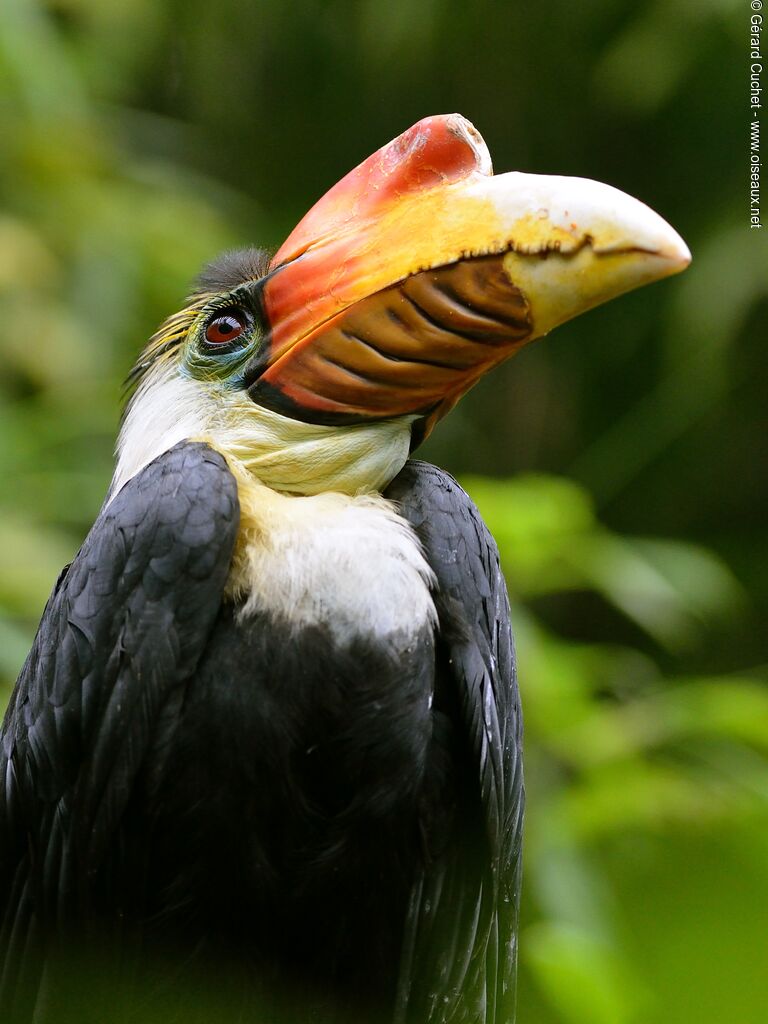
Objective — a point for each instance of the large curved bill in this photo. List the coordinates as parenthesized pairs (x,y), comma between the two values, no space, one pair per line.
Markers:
(421,270)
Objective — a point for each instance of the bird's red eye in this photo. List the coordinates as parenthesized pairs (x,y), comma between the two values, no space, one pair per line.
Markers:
(226,327)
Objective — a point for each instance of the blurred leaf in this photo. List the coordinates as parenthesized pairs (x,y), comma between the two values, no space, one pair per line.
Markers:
(728,708)
(14,644)
(30,562)
(580,976)
(549,540)
(647,61)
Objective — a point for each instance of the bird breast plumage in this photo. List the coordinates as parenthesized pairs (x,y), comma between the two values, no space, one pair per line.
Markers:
(349,564)
(308,737)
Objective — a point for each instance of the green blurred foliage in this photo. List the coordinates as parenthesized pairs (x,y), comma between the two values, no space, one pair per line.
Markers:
(140,138)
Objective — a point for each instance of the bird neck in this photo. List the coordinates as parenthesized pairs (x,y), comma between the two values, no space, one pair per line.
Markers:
(283,453)
(317,542)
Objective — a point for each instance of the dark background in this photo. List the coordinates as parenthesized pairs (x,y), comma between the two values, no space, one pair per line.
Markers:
(621,463)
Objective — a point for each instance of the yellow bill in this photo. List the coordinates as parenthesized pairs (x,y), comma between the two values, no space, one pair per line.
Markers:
(421,270)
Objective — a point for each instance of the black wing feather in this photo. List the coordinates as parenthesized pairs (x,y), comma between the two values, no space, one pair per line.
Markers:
(460,950)
(122,631)
(95,708)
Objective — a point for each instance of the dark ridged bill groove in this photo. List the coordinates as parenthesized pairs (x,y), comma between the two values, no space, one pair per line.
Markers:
(404,349)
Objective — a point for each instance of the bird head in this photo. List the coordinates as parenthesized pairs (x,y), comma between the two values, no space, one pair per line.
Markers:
(421,270)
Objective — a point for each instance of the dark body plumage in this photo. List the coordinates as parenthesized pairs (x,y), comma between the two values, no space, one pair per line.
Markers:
(193,798)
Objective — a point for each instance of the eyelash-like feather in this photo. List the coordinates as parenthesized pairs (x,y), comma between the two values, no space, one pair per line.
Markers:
(225,273)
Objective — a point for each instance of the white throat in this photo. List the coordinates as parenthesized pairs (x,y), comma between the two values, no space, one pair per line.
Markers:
(283,453)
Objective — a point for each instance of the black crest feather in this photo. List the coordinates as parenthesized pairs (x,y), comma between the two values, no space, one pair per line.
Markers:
(233,268)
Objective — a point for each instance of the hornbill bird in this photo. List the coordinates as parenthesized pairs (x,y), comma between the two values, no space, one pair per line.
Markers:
(268,735)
